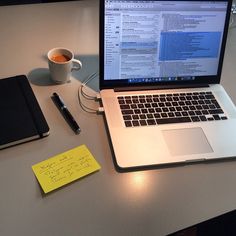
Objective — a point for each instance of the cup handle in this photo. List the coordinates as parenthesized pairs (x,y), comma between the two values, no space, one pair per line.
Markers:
(78,64)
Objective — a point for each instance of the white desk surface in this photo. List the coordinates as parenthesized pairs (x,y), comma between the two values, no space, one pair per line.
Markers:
(154,202)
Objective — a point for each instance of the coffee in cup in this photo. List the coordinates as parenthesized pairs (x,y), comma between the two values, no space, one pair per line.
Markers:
(61,62)
(60,58)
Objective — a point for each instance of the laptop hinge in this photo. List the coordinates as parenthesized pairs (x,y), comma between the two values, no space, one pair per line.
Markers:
(160,87)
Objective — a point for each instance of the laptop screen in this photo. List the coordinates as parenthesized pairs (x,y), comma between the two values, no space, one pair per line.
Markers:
(162,42)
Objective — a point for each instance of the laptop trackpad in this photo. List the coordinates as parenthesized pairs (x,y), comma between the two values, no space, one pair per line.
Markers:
(187,141)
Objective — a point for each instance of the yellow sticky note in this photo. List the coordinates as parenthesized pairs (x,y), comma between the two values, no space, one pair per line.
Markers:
(65,168)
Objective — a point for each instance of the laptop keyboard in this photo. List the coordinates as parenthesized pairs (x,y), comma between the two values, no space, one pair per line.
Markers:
(157,109)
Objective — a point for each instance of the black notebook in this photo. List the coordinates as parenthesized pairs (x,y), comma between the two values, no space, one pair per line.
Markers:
(21,118)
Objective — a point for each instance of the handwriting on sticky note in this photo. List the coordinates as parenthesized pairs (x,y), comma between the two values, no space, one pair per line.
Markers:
(65,168)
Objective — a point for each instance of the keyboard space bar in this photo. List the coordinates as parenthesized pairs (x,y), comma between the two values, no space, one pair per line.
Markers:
(173,120)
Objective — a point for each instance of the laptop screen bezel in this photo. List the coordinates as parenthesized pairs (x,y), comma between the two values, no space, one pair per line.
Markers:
(199,80)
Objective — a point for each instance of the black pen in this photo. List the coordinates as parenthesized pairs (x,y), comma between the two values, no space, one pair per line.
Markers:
(65,112)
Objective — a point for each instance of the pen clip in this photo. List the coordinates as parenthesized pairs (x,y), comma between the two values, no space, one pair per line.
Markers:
(58,101)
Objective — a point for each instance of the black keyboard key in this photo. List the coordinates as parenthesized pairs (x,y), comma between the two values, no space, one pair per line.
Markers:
(123,107)
(157,115)
(141,96)
(158,110)
(135,101)
(198,113)
(205,112)
(209,96)
(133,106)
(149,116)
(147,105)
(151,110)
(224,118)
(210,118)
(195,118)
(128,117)
(128,124)
(216,111)
(140,105)
(156,100)
(173,120)
(135,117)
(163,114)
(203,118)
(142,116)
(169,99)
(191,113)
(137,111)
(184,113)
(127,112)
(121,101)
(171,114)
(177,113)
(135,123)
(151,122)
(216,117)
(149,100)
(143,122)
(212,107)
(128,101)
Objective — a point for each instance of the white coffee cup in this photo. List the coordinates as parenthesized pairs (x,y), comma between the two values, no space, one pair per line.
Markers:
(61,62)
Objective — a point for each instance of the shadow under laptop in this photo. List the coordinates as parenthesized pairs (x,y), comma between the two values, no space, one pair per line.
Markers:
(164,166)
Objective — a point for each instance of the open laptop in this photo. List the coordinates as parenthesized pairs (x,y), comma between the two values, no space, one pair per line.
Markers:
(160,68)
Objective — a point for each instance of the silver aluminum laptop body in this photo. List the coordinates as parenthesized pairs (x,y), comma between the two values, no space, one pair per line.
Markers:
(165,47)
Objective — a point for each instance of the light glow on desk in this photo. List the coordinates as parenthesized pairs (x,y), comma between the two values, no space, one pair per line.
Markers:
(138,180)
(138,185)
